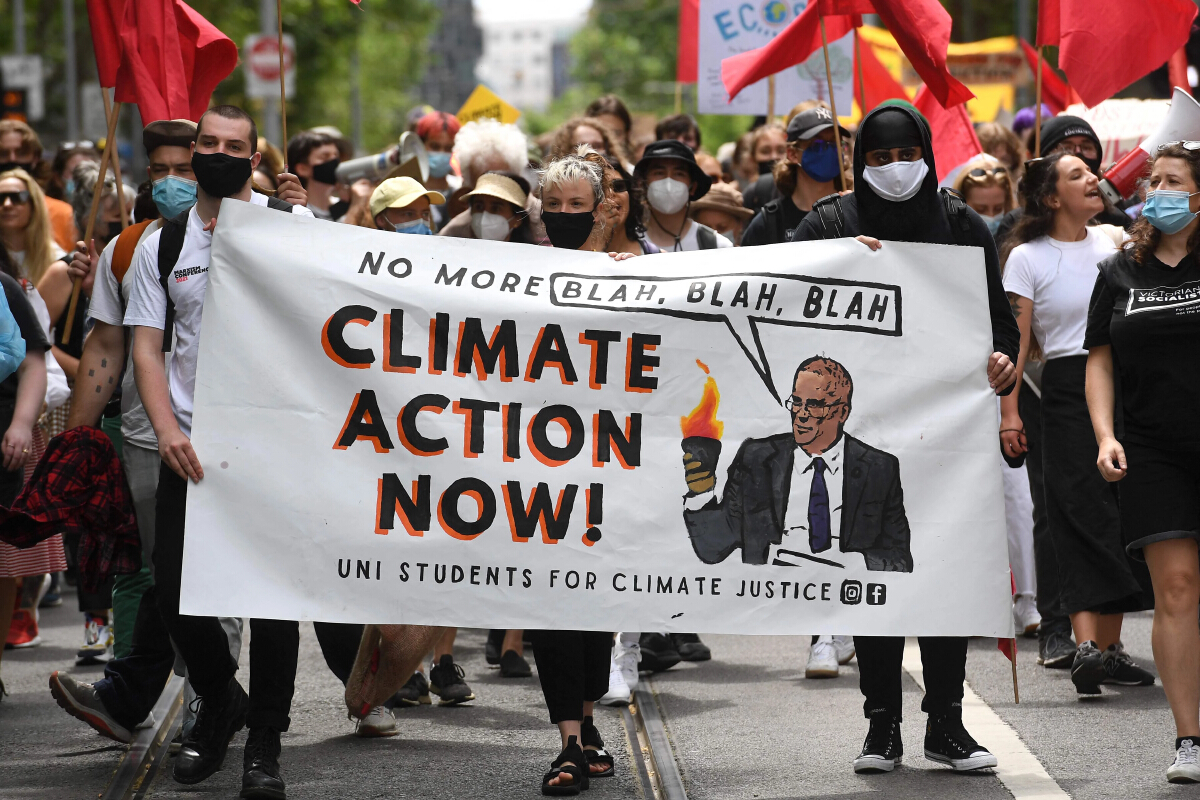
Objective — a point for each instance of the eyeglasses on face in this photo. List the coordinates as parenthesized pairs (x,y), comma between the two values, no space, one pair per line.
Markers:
(1087,149)
(810,408)
(16,198)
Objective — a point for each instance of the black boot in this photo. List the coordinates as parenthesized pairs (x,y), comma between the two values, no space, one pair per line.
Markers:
(218,719)
(883,748)
(260,766)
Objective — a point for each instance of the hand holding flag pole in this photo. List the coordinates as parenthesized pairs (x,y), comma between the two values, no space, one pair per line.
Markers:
(282,84)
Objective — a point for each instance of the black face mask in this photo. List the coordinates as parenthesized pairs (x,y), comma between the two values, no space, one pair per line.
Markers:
(765,167)
(568,231)
(339,209)
(220,175)
(10,165)
(327,172)
(114,230)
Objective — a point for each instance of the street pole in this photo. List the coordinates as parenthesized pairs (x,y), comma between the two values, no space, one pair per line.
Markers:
(19,27)
(356,124)
(72,72)
(270,128)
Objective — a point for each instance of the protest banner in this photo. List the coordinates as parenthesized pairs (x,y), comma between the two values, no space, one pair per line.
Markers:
(486,104)
(407,429)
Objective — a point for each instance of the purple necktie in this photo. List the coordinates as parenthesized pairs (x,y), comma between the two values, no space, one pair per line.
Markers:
(819,535)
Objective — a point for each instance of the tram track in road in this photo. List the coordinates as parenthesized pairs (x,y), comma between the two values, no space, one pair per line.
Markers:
(148,752)
(650,746)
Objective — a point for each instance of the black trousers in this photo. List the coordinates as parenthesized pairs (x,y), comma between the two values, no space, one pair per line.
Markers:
(944,659)
(573,669)
(1049,593)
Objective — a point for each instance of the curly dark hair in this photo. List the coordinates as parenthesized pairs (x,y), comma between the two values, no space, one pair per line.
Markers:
(635,222)
(1144,237)
(1039,182)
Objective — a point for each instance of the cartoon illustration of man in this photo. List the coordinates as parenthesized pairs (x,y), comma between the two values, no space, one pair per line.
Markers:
(814,494)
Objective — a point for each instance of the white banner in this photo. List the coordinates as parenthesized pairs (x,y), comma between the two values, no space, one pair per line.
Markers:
(408,429)
(729,27)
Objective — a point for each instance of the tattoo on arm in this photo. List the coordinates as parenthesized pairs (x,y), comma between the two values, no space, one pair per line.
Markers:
(1014,302)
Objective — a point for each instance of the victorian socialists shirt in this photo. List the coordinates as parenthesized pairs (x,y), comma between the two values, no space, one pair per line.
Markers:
(187,283)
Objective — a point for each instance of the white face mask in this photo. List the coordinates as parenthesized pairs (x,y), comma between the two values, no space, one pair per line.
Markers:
(486,225)
(898,181)
(667,195)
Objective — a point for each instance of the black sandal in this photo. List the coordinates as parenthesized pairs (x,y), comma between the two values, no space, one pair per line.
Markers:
(591,738)
(571,761)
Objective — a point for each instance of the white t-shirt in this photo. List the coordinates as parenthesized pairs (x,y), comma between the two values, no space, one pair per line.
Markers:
(1058,277)
(109,301)
(689,241)
(187,284)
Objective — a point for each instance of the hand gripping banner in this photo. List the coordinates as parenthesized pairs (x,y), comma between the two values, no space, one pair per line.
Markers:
(792,439)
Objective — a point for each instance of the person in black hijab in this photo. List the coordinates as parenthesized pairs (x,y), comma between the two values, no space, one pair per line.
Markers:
(896,198)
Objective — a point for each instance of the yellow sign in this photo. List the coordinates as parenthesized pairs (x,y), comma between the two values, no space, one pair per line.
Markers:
(485,104)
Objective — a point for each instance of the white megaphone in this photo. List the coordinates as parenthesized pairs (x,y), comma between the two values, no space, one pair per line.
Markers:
(372,168)
(411,146)
(1182,124)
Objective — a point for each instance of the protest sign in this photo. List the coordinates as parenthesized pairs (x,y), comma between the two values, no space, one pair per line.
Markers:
(729,27)
(486,104)
(408,429)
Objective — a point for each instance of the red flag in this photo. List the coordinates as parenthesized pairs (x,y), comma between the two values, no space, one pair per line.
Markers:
(954,139)
(795,43)
(1056,92)
(689,41)
(172,59)
(872,78)
(831,7)
(1108,44)
(922,29)
(104,18)
(1048,29)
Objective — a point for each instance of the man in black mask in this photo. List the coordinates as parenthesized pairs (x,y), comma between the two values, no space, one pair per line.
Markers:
(896,198)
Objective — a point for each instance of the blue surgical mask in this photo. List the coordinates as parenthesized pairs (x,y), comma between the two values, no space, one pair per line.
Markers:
(1169,211)
(993,223)
(173,195)
(820,161)
(69,189)
(417,226)
(439,165)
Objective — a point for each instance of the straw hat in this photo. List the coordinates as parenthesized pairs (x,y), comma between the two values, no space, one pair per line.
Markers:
(723,197)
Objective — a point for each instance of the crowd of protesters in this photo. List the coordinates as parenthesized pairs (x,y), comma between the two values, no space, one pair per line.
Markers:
(1102,499)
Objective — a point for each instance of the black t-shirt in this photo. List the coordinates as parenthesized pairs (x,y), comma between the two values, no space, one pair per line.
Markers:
(31,332)
(1150,315)
(765,229)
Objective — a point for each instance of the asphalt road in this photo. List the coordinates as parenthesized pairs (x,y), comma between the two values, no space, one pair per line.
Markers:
(745,725)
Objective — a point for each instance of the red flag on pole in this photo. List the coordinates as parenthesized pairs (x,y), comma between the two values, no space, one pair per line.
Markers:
(922,29)
(1048,29)
(172,58)
(954,139)
(104,18)
(873,79)
(1056,92)
(687,53)
(1105,45)
(795,43)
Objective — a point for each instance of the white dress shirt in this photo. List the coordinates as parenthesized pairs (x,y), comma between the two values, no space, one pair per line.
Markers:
(795,544)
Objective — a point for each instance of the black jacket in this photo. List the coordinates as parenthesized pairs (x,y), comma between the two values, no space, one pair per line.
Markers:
(752,511)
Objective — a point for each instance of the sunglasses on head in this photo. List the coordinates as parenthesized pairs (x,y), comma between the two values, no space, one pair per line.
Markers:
(1184,145)
(983,173)
(17,198)
(82,144)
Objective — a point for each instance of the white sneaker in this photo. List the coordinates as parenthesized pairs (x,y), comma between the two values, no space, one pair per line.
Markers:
(1186,768)
(618,693)
(379,722)
(97,643)
(628,659)
(1025,615)
(822,659)
(844,645)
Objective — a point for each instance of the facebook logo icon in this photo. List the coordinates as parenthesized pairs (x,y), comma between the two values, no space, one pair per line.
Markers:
(876,594)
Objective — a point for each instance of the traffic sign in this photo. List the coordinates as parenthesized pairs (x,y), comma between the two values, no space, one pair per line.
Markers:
(25,73)
(261,65)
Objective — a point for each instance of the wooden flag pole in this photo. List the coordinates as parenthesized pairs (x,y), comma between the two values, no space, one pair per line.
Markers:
(1037,105)
(837,129)
(282,83)
(770,98)
(678,97)
(862,81)
(1016,691)
(110,146)
(116,165)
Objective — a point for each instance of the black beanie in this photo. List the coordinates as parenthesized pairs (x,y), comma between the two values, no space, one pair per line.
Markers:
(1055,129)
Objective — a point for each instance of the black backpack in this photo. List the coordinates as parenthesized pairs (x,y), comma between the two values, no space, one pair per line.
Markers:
(170,245)
(773,221)
(833,224)
(706,237)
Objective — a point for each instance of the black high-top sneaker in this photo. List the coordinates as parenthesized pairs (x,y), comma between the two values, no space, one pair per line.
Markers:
(947,742)
(883,747)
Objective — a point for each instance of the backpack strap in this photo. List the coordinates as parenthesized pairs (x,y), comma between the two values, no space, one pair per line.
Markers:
(127,243)
(170,245)
(279,205)
(829,210)
(773,220)
(706,237)
(956,213)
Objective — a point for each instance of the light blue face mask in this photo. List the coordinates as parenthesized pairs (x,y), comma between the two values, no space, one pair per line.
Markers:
(69,189)
(1169,211)
(993,223)
(173,195)
(417,226)
(439,165)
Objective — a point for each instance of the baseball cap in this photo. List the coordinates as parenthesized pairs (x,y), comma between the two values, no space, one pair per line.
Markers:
(808,124)
(400,193)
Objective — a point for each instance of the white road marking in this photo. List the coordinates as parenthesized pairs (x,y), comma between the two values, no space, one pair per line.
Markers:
(1019,770)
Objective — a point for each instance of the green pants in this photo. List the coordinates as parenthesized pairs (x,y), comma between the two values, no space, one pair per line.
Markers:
(127,589)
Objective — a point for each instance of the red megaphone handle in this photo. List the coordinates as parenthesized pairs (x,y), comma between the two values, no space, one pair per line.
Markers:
(1125,173)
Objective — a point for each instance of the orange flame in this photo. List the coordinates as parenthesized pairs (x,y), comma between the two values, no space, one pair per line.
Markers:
(703,419)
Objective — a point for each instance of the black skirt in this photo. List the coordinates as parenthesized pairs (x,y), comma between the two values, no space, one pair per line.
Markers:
(1085,525)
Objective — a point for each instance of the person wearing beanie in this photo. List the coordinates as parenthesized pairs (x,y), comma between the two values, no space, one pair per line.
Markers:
(896,198)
